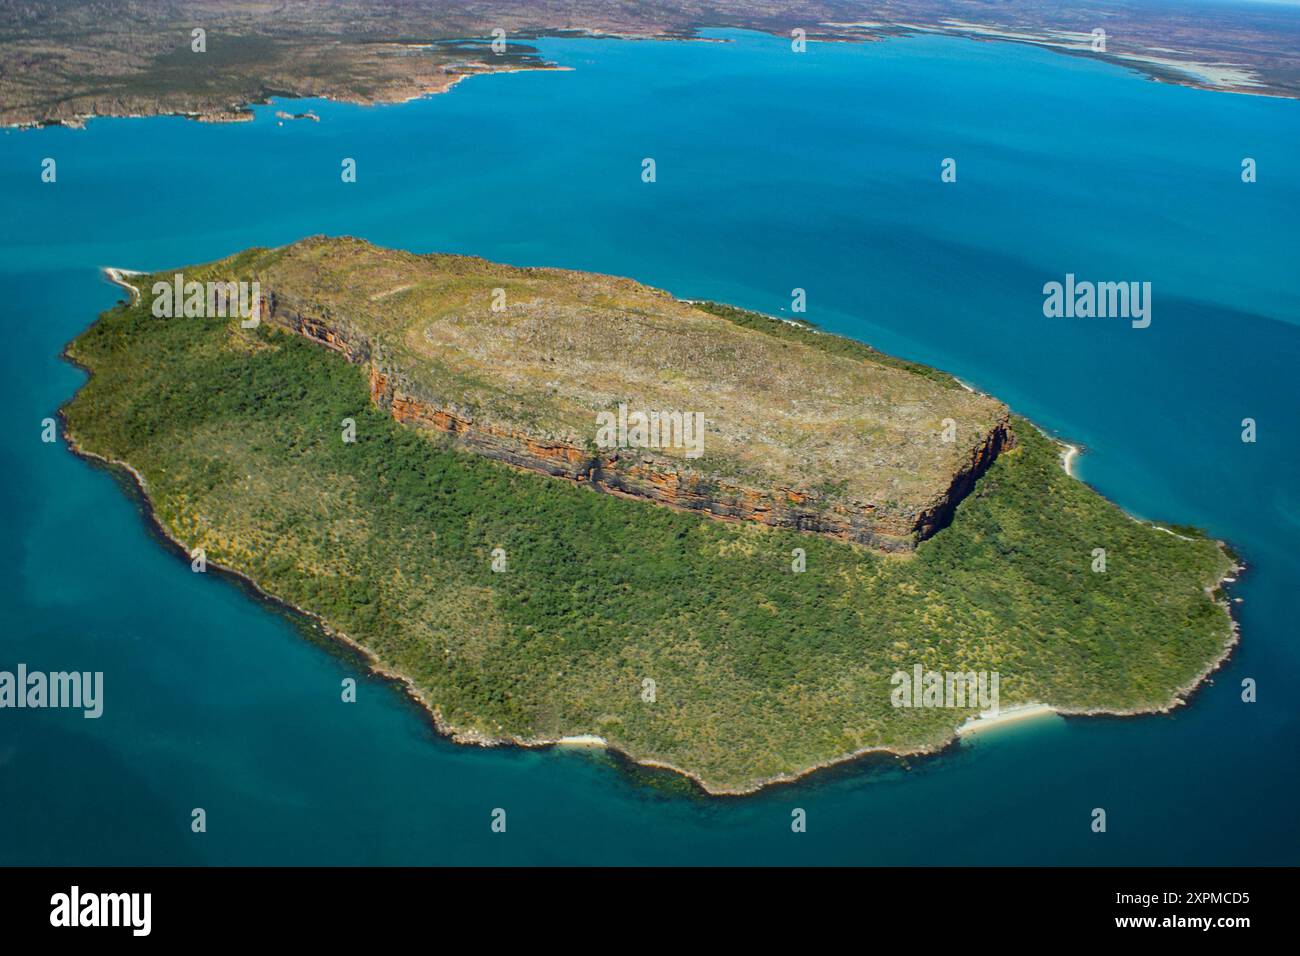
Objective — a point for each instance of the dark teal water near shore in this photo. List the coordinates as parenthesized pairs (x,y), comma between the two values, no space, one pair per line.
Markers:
(775,171)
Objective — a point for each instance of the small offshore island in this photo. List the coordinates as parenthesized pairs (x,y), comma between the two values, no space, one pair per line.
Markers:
(734,614)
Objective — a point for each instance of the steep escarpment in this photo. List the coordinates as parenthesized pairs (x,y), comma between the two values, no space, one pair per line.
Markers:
(940,514)
(520,365)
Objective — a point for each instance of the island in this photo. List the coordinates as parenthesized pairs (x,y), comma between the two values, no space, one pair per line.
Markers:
(437,459)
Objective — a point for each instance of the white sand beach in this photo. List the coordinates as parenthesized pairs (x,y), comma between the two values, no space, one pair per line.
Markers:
(1002,717)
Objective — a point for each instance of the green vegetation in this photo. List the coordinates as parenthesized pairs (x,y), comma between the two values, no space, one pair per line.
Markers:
(759,671)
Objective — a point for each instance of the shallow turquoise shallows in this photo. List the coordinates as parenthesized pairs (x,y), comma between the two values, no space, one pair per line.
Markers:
(819,171)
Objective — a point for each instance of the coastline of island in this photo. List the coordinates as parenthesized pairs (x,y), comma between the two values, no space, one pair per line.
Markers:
(1015,713)
(469,736)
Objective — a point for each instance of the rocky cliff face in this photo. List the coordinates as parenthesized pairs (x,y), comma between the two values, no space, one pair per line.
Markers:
(635,472)
(940,514)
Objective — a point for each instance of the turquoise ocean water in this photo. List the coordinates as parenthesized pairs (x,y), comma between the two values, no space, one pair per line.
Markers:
(775,171)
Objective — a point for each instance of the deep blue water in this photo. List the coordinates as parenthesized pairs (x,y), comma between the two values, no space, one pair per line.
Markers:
(774,171)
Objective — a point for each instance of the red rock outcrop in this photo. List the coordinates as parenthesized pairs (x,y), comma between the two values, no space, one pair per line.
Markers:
(637,473)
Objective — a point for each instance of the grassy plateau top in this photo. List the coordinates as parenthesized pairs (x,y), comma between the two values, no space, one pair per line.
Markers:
(520,357)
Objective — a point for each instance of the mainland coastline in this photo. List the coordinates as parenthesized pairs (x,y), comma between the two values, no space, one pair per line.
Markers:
(156,69)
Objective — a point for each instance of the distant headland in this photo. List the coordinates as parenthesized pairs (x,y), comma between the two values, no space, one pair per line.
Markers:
(62,63)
